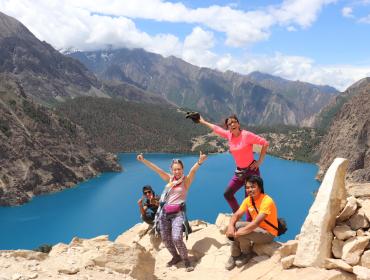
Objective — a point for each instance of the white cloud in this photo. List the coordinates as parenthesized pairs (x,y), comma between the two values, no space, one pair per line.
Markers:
(347,12)
(89,25)
(240,27)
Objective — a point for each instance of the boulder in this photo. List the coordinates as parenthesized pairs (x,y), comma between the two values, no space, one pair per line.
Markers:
(359,190)
(359,220)
(353,249)
(316,235)
(343,232)
(361,272)
(348,210)
(267,249)
(222,222)
(337,263)
(288,248)
(337,248)
(287,262)
(365,259)
(134,261)
(133,235)
(69,270)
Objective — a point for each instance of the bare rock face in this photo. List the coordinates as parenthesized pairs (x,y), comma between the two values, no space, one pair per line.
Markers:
(359,190)
(33,158)
(349,134)
(316,234)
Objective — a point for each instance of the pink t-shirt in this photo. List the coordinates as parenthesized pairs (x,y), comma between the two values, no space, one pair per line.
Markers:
(241,147)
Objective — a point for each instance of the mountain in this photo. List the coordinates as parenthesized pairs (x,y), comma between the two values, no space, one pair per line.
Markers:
(349,134)
(49,76)
(122,126)
(256,98)
(40,151)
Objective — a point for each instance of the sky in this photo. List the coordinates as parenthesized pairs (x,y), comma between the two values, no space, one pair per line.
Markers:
(324,42)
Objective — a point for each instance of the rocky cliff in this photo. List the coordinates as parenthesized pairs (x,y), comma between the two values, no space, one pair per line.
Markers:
(349,134)
(40,151)
(256,98)
(339,218)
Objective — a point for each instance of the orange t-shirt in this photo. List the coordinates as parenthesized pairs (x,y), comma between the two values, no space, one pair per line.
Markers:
(265,205)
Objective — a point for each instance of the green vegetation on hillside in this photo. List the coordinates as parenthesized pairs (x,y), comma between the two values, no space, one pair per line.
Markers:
(121,126)
(292,142)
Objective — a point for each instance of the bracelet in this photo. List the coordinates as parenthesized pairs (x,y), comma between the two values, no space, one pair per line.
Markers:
(199,163)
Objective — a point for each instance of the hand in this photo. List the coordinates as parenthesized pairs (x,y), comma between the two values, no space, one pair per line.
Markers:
(230,231)
(140,157)
(255,165)
(140,202)
(202,157)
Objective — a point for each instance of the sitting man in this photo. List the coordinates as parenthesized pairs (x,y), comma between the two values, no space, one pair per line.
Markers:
(262,228)
(148,205)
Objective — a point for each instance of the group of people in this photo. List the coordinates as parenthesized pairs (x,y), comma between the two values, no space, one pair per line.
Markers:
(168,210)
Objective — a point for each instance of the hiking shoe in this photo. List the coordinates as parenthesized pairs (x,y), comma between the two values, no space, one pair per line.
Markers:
(230,264)
(188,266)
(243,259)
(173,261)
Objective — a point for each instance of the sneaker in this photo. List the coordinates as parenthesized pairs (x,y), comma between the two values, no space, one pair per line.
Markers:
(230,264)
(242,259)
(188,266)
(173,261)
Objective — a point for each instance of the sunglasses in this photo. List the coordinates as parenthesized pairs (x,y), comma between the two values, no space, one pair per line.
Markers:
(147,192)
(231,122)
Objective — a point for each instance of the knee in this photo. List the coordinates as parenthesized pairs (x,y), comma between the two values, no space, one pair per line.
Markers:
(228,194)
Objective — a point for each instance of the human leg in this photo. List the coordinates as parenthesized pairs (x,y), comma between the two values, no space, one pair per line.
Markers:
(166,235)
(234,185)
(177,236)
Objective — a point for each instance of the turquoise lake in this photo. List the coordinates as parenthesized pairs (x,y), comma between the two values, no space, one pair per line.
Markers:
(108,204)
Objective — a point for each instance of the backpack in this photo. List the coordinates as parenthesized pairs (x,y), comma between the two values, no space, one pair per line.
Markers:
(282,224)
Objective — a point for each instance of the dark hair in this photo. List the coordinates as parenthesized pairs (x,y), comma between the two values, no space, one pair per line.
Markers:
(256,179)
(177,161)
(147,188)
(231,117)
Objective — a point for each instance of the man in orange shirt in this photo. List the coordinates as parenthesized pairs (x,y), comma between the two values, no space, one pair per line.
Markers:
(262,228)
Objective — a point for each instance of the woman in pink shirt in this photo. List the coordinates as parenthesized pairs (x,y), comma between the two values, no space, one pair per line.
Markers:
(241,147)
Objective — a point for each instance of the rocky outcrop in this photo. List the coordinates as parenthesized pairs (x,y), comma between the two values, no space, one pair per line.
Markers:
(42,152)
(349,135)
(316,233)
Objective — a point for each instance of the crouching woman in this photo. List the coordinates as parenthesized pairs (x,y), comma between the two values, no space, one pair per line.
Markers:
(262,228)
(174,196)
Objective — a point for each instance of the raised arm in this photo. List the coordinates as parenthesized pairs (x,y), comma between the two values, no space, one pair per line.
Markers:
(204,122)
(193,170)
(165,176)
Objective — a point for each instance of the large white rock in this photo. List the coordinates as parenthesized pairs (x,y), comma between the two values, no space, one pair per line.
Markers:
(316,234)
(348,210)
(343,232)
(353,249)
